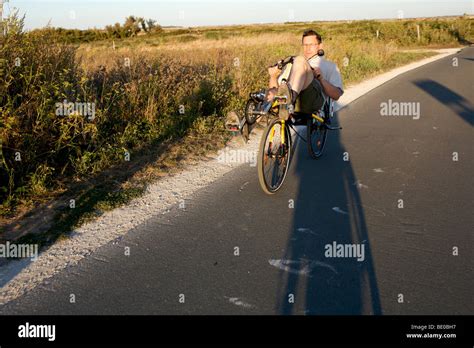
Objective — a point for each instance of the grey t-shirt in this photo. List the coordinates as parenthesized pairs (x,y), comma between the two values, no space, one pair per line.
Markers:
(329,70)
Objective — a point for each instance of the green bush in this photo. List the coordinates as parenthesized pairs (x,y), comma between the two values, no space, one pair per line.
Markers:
(134,105)
(157,96)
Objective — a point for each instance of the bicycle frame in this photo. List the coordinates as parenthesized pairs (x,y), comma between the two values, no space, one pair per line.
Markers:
(280,155)
(283,125)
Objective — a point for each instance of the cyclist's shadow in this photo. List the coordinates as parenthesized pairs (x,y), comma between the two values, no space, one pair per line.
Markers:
(328,210)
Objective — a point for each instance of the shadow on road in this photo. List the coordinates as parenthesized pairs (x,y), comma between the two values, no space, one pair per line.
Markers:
(48,221)
(328,210)
(444,95)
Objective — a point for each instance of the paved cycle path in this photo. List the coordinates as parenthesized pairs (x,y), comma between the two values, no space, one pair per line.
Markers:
(381,224)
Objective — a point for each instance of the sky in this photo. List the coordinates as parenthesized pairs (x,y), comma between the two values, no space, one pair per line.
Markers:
(84,14)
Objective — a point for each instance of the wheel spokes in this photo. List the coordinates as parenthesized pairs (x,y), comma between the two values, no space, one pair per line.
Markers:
(274,159)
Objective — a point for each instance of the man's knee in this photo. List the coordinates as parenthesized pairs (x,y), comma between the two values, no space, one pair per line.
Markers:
(301,62)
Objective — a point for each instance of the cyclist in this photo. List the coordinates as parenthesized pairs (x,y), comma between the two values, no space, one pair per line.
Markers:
(312,78)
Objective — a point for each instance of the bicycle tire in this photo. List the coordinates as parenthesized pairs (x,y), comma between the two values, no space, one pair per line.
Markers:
(262,156)
(314,126)
(249,107)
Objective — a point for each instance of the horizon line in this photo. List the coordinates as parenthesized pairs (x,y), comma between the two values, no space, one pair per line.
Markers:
(267,23)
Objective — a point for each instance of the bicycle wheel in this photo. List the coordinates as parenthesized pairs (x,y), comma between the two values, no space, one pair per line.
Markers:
(249,107)
(316,137)
(273,157)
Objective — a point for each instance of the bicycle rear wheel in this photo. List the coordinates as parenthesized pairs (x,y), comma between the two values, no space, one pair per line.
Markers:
(274,157)
(251,106)
(316,137)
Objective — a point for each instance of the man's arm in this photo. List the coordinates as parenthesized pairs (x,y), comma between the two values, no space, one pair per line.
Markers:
(330,90)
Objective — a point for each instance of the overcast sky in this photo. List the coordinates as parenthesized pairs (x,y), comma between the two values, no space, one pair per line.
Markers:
(88,13)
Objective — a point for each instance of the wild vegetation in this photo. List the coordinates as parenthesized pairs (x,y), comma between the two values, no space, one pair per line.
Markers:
(69,111)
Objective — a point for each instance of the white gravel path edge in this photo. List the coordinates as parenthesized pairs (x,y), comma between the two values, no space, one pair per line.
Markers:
(19,277)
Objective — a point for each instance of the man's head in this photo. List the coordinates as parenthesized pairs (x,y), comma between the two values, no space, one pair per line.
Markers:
(312,42)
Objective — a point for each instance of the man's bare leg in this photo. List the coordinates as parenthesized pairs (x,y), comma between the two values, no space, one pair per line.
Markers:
(300,78)
(301,75)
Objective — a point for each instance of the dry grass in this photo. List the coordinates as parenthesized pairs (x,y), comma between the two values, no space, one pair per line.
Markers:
(204,71)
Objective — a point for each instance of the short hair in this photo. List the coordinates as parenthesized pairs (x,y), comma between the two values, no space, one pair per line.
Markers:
(311,32)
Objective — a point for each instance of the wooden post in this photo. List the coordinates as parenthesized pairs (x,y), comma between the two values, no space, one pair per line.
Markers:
(378,33)
(418,32)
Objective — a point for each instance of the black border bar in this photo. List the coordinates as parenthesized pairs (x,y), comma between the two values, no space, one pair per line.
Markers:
(289,330)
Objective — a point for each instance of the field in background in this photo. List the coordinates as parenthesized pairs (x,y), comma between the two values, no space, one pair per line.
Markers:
(171,87)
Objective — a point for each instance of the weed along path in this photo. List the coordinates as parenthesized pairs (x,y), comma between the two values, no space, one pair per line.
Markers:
(376,226)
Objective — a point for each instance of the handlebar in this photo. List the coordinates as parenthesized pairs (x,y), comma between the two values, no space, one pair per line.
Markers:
(283,62)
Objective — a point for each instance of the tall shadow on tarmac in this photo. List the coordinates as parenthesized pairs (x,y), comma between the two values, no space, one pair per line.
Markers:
(328,210)
(451,99)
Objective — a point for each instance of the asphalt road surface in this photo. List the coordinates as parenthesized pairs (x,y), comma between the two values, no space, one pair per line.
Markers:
(235,250)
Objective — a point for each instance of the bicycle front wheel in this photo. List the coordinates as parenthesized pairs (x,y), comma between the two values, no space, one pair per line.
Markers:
(274,156)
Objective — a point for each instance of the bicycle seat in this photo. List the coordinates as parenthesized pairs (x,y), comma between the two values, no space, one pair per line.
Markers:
(301,118)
